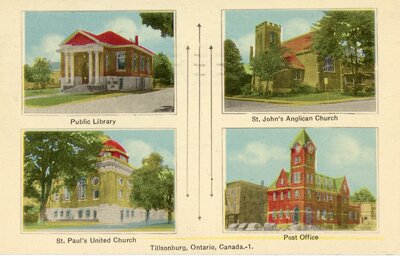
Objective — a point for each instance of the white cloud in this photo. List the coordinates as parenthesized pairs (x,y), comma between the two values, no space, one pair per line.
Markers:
(256,153)
(295,27)
(138,150)
(244,44)
(47,48)
(346,150)
(127,28)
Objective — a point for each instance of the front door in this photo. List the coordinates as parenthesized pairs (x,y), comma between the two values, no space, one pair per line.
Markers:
(296,215)
(85,72)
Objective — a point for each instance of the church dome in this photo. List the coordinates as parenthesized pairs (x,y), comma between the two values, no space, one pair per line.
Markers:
(113,148)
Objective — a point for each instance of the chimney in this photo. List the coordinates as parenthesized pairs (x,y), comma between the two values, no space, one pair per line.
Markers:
(137,40)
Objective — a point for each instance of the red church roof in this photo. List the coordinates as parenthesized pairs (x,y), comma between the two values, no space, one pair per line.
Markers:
(293,62)
(82,37)
(300,43)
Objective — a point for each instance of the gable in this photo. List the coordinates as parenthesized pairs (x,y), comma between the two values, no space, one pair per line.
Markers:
(79,39)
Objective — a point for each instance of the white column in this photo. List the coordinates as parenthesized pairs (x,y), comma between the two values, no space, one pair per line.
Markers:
(72,68)
(90,68)
(96,67)
(66,64)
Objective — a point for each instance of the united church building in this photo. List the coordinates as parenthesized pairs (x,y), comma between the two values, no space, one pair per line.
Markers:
(103,197)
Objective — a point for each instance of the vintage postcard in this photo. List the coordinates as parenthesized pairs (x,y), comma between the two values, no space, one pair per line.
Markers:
(98,62)
(88,181)
(301,179)
(199,128)
(300,60)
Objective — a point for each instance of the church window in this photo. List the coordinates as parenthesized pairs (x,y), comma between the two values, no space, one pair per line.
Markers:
(296,177)
(329,64)
(66,194)
(297,75)
(82,189)
(96,194)
(121,60)
(282,195)
(296,194)
(288,195)
(95,181)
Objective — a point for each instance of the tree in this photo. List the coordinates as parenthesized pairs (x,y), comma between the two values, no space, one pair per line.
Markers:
(160,21)
(347,36)
(266,65)
(28,73)
(53,160)
(41,71)
(234,72)
(151,186)
(163,70)
(362,195)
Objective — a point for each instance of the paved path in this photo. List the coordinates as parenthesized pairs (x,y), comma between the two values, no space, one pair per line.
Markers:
(249,106)
(157,101)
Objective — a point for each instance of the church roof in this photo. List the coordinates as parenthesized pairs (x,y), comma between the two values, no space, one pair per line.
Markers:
(302,138)
(292,61)
(300,43)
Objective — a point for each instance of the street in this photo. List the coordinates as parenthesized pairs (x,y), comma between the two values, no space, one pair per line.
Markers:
(157,101)
(249,106)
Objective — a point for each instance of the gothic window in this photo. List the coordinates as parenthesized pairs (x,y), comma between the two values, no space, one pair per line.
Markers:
(121,60)
(82,189)
(329,64)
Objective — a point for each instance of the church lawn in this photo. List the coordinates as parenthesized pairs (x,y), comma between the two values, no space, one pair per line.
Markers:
(57,225)
(154,227)
(68,98)
(303,99)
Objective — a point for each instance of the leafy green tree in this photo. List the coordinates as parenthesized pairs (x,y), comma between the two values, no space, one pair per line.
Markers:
(362,195)
(41,71)
(163,70)
(151,185)
(266,65)
(53,160)
(163,21)
(347,36)
(234,72)
(28,73)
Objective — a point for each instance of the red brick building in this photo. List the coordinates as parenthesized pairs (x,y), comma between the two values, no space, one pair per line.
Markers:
(104,62)
(303,196)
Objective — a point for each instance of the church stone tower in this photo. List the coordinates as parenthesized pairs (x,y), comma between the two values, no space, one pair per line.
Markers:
(267,34)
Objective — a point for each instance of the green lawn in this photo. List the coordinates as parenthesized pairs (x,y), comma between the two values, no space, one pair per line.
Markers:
(312,98)
(58,224)
(67,98)
(36,92)
(156,227)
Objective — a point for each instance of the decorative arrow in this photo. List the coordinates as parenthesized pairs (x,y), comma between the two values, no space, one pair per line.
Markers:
(199,26)
(187,123)
(211,122)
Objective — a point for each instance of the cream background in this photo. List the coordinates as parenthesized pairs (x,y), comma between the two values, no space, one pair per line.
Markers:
(189,229)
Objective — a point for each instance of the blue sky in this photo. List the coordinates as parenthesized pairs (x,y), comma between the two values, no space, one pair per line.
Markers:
(240,25)
(44,31)
(254,155)
(140,143)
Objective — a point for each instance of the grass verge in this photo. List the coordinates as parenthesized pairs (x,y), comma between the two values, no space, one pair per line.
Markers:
(38,92)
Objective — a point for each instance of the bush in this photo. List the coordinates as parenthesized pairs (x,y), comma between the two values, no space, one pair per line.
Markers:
(31,213)
(302,89)
(249,90)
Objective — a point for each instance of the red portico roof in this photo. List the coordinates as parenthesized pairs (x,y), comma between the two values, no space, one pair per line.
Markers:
(82,37)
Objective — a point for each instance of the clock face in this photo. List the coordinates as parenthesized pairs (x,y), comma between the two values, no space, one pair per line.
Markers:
(297,147)
(310,148)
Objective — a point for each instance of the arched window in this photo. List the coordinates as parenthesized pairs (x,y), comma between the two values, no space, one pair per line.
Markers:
(82,189)
(281,214)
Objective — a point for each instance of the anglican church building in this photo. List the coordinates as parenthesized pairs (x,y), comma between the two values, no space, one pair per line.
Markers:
(306,197)
(104,62)
(103,197)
